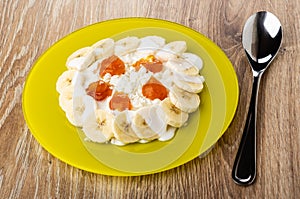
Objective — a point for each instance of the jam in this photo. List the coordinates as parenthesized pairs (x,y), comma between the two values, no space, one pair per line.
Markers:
(99,90)
(120,101)
(113,65)
(153,89)
(150,63)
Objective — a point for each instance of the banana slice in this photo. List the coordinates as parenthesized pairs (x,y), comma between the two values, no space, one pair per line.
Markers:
(65,80)
(76,108)
(151,43)
(189,86)
(148,46)
(81,59)
(66,104)
(168,134)
(126,45)
(70,117)
(156,122)
(188,78)
(65,99)
(177,47)
(181,66)
(159,41)
(185,101)
(104,48)
(171,50)
(193,59)
(142,129)
(122,128)
(98,126)
(82,107)
(172,115)
(147,124)
(164,55)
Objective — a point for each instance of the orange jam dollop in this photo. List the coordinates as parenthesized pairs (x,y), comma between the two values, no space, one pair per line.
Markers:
(120,101)
(113,65)
(154,89)
(151,63)
(99,90)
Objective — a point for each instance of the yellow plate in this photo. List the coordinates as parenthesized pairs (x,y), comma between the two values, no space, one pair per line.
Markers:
(48,124)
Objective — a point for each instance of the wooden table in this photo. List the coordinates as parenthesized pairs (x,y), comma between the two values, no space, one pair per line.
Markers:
(29,27)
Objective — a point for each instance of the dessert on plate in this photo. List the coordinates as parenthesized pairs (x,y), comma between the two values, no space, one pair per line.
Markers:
(130,90)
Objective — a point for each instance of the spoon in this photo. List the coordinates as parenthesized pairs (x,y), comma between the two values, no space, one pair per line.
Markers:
(262,35)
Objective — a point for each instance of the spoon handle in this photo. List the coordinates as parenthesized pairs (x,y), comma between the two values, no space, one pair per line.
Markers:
(244,168)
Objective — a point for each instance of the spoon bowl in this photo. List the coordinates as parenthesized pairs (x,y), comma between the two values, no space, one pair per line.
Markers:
(262,37)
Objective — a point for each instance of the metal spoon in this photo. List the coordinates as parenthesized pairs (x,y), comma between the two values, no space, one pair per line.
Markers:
(261,40)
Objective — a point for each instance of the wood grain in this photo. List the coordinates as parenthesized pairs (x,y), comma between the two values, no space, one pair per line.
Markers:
(29,27)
